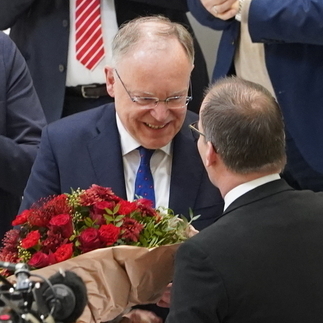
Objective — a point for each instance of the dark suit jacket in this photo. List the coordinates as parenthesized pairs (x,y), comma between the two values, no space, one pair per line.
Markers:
(84,149)
(41,31)
(21,121)
(291,31)
(262,261)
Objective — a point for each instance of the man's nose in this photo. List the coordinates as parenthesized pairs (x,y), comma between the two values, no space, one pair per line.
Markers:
(161,111)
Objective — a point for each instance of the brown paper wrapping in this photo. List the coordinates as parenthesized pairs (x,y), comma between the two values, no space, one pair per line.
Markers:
(118,278)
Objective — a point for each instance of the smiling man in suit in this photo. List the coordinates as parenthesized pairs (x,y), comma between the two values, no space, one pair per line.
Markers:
(262,261)
(150,81)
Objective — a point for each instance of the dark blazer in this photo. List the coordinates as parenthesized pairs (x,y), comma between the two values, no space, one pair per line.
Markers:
(262,261)
(291,31)
(21,121)
(84,149)
(41,31)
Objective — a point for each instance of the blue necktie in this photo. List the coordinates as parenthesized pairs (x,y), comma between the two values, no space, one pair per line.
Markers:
(144,184)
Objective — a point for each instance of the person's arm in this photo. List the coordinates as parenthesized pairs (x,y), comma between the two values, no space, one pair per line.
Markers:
(206,18)
(288,21)
(23,119)
(43,180)
(10,10)
(198,294)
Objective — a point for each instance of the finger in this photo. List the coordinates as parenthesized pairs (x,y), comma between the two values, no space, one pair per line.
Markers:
(228,14)
(221,8)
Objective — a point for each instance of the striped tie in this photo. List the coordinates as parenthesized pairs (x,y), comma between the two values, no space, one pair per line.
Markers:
(88,33)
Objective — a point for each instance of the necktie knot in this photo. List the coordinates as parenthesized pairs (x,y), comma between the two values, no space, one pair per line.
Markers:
(145,155)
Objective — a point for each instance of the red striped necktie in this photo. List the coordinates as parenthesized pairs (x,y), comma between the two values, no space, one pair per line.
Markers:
(88,33)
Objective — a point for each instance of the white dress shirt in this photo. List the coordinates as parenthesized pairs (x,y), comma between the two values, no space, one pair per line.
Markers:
(160,165)
(77,74)
(246,187)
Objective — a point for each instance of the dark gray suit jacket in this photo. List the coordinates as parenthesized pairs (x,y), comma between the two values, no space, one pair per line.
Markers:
(21,121)
(40,28)
(262,261)
(84,149)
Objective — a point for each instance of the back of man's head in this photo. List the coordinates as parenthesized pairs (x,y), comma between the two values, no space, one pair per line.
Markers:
(245,125)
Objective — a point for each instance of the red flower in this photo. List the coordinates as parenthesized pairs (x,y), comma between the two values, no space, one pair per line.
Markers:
(42,211)
(36,218)
(145,208)
(131,229)
(10,240)
(21,218)
(109,234)
(39,260)
(64,252)
(99,210)
(96,194)
(126,207)
(52,242)
(89,240)
(31,240)
(62,223)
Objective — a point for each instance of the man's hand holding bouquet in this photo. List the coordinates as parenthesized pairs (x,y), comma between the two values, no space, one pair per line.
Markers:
(123,251)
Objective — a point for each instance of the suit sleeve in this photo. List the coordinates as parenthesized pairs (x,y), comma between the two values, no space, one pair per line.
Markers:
(288,21)
(205,18)
(44,177)
(22,119)
(10,10)
(198,294)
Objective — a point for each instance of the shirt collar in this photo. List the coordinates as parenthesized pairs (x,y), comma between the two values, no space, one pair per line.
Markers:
(246,187)
(128,143)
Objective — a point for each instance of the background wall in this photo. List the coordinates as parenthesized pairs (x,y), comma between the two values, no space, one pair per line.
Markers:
(209,41)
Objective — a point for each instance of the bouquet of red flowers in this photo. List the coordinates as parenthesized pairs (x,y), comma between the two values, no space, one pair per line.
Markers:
(58,228)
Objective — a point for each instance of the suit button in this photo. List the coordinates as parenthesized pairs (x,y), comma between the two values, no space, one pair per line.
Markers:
(65,23)
(61,67)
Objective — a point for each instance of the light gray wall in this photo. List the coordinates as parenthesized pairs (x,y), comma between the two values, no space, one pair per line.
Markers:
(209,41)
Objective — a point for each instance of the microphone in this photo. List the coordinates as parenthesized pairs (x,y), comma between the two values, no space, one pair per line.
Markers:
(60,298)
(67,295)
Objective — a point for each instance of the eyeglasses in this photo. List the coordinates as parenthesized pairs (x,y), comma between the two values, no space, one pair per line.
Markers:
(195,131)
(173,102)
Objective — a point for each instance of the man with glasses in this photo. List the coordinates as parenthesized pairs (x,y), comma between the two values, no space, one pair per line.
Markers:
(261,262)
(150,82)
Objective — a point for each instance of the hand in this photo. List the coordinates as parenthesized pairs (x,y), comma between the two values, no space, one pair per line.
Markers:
(165,299)
(222,9)
(141,316)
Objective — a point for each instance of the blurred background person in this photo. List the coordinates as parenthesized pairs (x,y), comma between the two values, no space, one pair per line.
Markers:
(279,45)
(49,35)
(21,122)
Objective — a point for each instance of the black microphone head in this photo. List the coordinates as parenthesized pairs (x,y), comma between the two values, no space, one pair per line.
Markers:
(71,295)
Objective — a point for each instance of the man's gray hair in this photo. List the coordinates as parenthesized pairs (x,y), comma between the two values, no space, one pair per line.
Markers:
(134,32)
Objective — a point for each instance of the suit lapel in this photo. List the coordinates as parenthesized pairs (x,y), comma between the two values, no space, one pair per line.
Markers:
(261,192)
(187,170)
(105,153)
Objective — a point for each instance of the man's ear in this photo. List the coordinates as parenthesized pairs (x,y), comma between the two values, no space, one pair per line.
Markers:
(211,156)
(110,80)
